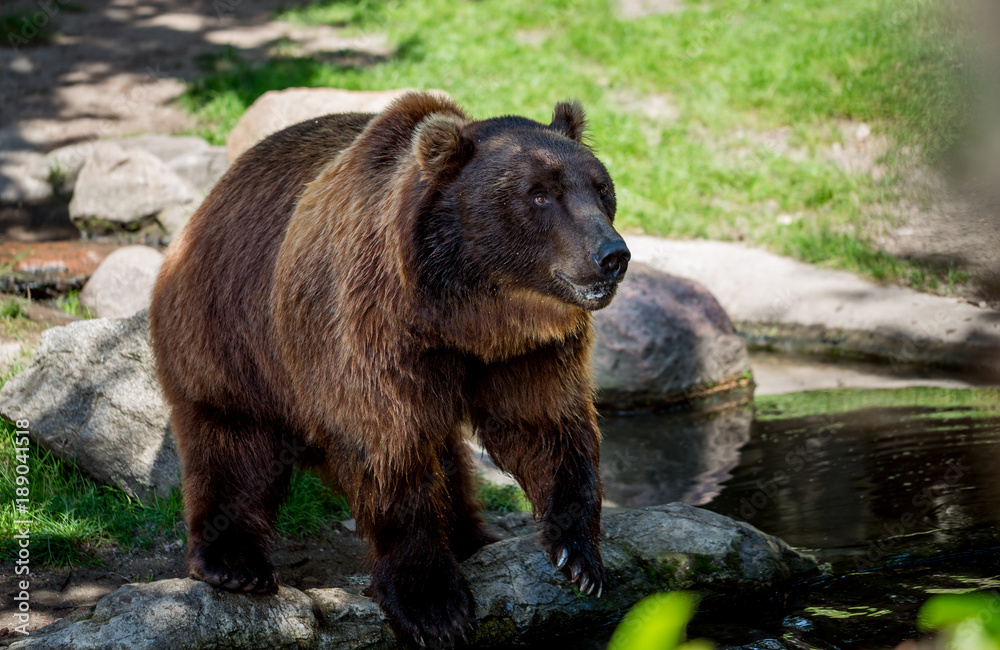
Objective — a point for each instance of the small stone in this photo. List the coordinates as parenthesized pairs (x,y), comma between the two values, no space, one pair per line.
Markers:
(22,65)
(863,132)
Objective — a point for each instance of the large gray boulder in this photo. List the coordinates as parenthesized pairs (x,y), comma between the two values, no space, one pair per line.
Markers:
(123,190)
(664,339)
(92,398)
(519,595)
(123,283)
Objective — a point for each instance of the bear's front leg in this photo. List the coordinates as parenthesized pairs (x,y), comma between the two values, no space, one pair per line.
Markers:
(415,576)
(571,519)
(535,415)
(556,464)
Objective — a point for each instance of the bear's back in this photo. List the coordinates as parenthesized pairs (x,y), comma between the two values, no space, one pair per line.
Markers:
(210,314)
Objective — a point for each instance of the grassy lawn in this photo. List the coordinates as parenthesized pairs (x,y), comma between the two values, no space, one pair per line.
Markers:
(720,120)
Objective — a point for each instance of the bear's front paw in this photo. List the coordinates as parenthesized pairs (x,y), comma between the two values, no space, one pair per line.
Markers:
(243,570)
(430,608)
(581,563)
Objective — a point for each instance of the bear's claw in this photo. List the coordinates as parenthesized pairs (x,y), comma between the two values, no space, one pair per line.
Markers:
(581,567)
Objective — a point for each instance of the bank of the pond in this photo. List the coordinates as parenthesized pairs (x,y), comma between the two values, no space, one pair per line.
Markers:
(780,304)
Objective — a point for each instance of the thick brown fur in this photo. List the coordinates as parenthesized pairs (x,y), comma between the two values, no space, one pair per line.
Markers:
(342,299)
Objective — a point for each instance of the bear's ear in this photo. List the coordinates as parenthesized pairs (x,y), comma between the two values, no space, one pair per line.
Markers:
(440,145)
(568,119)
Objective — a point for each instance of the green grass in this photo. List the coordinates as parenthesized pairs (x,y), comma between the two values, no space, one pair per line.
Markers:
(14,321)
(70,303)
(501,498)
(965,402)
(758,91)
(75,517)
(20,29)
(12,308)
(311,505)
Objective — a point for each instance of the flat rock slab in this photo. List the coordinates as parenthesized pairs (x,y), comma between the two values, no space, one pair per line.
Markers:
(47,269)
(519,596)
(788,305)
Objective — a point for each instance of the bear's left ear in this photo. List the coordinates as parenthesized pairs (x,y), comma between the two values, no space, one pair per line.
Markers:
(440,145)
(568,119)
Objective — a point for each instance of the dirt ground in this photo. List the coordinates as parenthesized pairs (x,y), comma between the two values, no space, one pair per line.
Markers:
(116,67)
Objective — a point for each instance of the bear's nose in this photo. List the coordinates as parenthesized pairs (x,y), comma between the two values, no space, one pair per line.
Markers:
(612,257)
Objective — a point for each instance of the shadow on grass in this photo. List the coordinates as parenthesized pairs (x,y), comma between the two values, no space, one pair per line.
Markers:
(230,82)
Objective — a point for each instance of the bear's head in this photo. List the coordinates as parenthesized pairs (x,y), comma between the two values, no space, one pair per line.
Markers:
(519,205)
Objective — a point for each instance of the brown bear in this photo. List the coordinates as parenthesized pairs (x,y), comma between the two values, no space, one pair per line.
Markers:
(356,290)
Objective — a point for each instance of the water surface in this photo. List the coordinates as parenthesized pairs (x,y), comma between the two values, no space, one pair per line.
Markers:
(896,491)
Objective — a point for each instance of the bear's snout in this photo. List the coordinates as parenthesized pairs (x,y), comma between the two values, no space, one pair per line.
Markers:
(612,258)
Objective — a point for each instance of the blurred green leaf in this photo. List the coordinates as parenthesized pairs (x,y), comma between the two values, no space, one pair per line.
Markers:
(658,622)
(969,621)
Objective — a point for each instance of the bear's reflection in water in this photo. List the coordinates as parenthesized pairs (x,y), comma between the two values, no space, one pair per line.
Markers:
(649,459)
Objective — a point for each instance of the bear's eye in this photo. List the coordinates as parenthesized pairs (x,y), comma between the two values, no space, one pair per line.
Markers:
(603,189)
(541,199)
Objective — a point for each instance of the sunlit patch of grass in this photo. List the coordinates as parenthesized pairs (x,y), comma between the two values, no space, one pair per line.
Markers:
(726,67)
(502,498)
(311,505)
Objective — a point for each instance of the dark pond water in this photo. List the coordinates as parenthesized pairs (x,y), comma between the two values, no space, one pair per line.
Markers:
(898,491)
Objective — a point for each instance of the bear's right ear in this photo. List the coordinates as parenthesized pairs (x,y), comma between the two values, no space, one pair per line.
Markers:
(439,144)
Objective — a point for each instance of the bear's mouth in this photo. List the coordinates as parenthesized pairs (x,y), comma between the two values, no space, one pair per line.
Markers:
(589,296)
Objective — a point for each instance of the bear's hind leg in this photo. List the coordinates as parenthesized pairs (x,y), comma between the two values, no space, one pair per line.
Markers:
(415,575)
(235,478)
(469,532)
